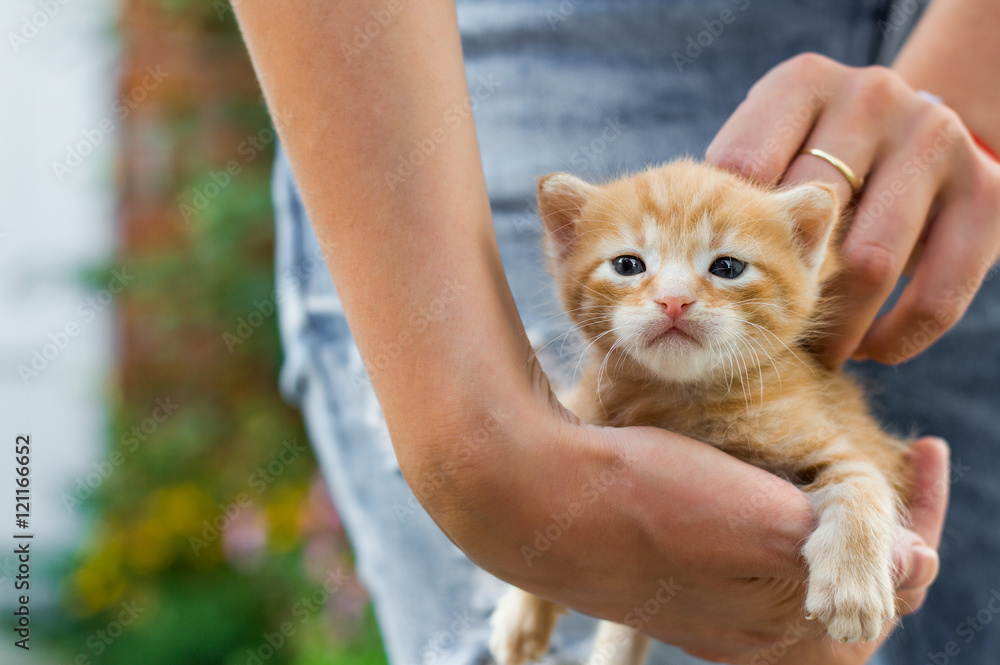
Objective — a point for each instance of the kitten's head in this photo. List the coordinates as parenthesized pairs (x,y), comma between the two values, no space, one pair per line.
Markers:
(688,269)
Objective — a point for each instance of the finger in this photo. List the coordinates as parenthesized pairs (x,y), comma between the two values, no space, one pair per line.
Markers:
(916,567)
(929,500)
(916,563)
(961,247)
(886,226)
(922,570)
(851,129)
(763,135)
(914,580)
(916,558)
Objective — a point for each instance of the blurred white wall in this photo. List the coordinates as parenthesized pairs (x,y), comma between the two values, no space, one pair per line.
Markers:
(58,73)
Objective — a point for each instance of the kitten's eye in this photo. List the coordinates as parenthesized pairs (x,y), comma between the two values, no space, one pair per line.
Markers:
(727,267)
(628,265)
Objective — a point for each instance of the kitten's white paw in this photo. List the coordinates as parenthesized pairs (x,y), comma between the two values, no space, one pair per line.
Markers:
(521,627)
(853,598)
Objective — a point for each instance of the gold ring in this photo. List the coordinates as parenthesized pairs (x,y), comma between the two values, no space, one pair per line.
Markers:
(845,170)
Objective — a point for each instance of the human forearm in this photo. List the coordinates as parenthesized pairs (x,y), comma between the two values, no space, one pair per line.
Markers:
(954,53)
(404,248)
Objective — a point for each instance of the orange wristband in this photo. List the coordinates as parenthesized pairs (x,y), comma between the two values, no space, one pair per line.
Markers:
(982,144)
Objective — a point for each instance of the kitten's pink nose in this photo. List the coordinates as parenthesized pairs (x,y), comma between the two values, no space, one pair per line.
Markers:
(674,306)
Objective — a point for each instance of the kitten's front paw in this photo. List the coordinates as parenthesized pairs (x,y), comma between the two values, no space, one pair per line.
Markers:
(521,627)
(853,599)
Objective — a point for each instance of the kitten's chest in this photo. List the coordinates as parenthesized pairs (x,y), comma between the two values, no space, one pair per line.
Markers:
(767,435)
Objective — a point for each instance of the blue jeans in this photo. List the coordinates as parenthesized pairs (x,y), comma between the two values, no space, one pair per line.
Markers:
(597,87)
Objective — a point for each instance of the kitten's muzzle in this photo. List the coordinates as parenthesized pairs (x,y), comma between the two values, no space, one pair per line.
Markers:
(669,329)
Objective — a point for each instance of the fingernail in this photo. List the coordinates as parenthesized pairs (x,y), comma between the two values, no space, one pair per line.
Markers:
(942,441)
(923,569)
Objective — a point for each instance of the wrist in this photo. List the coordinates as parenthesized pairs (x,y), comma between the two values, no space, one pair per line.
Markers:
(523,495)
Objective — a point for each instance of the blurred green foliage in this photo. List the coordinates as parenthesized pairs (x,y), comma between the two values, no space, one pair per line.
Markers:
(207,538)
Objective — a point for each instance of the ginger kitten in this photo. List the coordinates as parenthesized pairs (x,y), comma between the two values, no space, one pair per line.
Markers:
(696,292)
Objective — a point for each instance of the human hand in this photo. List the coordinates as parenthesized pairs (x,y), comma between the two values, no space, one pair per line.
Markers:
(930,205)
(916,560)
(653,530)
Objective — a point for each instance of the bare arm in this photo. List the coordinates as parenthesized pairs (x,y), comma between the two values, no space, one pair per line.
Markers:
(954,53)
(393,247)
(479,437)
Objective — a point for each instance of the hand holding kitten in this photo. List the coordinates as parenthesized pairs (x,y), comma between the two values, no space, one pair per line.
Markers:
(930,206)
(730,608)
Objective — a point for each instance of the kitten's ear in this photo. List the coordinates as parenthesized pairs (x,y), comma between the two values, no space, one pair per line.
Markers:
(560,198)
(814,209)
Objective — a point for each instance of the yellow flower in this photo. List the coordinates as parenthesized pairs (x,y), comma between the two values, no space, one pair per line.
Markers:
(98,583)
(283,516)
(149,547)
(181,509)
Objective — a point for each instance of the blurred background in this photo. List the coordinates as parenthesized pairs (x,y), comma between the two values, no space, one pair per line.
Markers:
(176,509)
